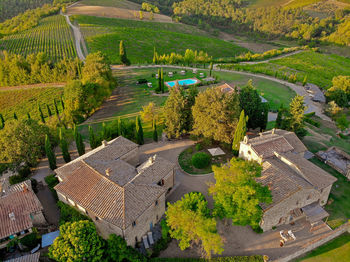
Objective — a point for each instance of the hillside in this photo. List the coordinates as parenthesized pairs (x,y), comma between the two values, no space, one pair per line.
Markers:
(11,8)
(141,37)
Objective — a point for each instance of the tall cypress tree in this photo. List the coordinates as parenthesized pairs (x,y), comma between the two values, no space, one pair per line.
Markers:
(159,81)
(50,154)
(64,147)
(28,115)
(155,134)
(41,114)
(279,119)
(211,68)
(105,131)
(15,116)
(2,122)
(240,132)
(62,103)
(139,131)
(122,54)
(162,80)
(56,108)
(92,138)
(48,110)
(80,144)
(120,127)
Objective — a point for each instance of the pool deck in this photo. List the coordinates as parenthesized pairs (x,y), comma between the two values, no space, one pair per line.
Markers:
(193,78)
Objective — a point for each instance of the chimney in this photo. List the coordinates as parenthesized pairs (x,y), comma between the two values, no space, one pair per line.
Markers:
(12,216)
(108,172)
(104,143)
(24,187)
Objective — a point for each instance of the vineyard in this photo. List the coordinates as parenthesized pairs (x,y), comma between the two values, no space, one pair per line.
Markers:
(52,36)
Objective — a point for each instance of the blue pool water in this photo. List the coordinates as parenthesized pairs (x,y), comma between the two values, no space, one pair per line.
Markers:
(182,82)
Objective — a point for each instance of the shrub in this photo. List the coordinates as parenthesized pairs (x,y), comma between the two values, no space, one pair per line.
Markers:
(198,146)
(189,150)
(69,214)
(31,240)
(312,122)
(201,160)
(51,181)
(23,174)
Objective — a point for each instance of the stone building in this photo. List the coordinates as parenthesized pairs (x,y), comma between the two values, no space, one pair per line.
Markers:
(120,195)
(298,187)
(20,211)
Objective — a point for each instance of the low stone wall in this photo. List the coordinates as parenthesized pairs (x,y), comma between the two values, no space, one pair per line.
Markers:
(316,243)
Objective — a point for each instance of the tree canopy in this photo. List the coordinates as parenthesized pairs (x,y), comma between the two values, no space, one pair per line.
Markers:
(237,194)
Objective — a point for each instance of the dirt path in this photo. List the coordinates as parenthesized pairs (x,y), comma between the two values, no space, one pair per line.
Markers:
(10,88)
(271,59)
(79,40)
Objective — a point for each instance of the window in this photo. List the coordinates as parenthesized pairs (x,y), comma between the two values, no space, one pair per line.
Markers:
(156,203)
(134,223)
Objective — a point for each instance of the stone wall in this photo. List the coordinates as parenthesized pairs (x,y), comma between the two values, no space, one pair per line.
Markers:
(316,243)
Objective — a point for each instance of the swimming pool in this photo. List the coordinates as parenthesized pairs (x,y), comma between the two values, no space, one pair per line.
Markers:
(183,82)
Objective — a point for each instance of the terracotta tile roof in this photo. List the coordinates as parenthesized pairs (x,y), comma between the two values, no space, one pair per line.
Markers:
(28,258)
(310,172)
(15,209)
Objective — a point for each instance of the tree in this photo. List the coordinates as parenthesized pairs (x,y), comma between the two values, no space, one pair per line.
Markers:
(154,132)
(62,103)
(190,223)
(210,68)
(41,115)
(333,109)
(122,54)
(64,147)
(120,126)
(190,99)
(28,115)
(250,102)
(279,119)
(149,112)
(78,241)
(48,110)
(174,112)
(15,116)
(139,131)
(237,194)
(50,153)
(340,90)
(305,80)
(79,142)
(141,15)
(56,108)
(2,122)
(215,115)
(296,114)
(240,132)
(162,80)
(22,141)
(105,132)
(117,250)
(342,122)
(92,138)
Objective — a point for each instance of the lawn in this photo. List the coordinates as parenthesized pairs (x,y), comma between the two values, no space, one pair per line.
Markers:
(274,92)
(319,68)
(338,205)
(141,37)
(335,251)
(23,101)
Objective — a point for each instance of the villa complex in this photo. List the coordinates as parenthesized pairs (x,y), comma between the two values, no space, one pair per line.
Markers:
(298,187)
(119,195)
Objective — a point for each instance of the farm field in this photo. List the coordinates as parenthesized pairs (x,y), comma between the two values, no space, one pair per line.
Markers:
(336,250)
(319,68)
(23,101)
(113,3)
(141,37)
(52,36)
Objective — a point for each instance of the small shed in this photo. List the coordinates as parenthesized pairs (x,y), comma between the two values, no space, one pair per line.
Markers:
(216,151)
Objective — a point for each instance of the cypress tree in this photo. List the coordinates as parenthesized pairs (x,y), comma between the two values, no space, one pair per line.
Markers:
(48,110)
(2,121)
(120,127)
(92,138)
(305,80)
(80,144)
(105,131)
(161,80)
(41,114)
(154,56)
(122,54)
(240,132)
(139,131)
(15,116)
(279,119)
(56,108)
(155,134)
(64,147)
(62,103)
(210,68)
(28,115)
(50,154)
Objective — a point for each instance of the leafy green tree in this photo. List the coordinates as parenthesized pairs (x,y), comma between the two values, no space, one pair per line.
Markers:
(340,90)
(92,138)
(279,119)
(342,122)
(148,113)
(105,132)
(22,141)
(154,132)
(48,110)
(296,114)
(78,241)
(215,114)
(64,147)
(15,116)
(117,250)
(190,99)
(50,153)
(250,102)
(190,223)
(122,54)
(79,142)
(41,115)
(174,113)
(240,132)
(162,80)
(139,131)
(2,121)
(237,194)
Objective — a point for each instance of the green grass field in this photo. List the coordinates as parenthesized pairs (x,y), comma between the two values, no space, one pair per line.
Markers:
(319,68)
(140,38)
(337,250)
(52,36)
(23,101)
(339,207)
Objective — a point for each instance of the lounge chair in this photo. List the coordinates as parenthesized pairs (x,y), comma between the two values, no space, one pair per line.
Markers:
(145,242)
(150,238)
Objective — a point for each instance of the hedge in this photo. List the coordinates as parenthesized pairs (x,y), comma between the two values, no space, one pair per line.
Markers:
(201,160)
